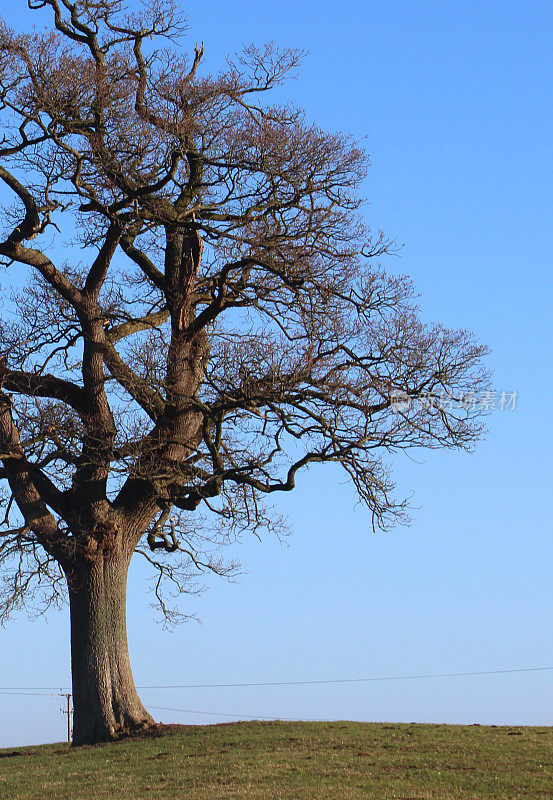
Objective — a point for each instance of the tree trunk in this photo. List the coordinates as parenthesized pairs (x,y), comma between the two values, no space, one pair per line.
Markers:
(105,701)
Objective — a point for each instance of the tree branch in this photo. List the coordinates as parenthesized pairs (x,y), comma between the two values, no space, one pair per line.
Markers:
(99,268)
(36,385)
(149,400)
(23,479)
(152,320)
(141,259)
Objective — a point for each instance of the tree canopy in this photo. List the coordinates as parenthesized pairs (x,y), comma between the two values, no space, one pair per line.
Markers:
(198,312)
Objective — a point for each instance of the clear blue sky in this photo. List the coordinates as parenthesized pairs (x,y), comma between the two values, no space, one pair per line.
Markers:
(455,102)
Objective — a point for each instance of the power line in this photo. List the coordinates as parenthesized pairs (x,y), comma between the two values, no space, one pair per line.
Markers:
(31,689)
(242,716)
(350,680)
(27,694)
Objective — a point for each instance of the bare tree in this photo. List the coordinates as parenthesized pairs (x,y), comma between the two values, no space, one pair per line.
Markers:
(196,315)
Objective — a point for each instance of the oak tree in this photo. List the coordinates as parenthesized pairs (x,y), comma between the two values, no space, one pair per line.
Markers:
(194,313)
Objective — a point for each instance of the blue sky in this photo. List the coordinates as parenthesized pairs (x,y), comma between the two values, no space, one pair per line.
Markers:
(454,100)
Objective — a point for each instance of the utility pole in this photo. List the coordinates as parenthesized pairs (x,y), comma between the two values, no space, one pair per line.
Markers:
(68,712)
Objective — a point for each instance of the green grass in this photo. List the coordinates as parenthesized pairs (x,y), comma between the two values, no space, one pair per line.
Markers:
(295,761)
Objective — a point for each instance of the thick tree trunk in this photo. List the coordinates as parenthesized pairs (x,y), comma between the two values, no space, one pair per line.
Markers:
(105,701)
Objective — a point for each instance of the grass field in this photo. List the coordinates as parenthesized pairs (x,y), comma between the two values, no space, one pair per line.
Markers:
(295,761)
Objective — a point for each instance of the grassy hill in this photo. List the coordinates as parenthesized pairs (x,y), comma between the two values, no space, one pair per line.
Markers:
(292,761)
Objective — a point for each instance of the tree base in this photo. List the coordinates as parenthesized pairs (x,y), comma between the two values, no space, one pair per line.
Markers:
(114,734)
(153,730)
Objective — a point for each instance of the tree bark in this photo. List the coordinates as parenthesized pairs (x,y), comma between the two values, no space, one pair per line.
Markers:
(105,701)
